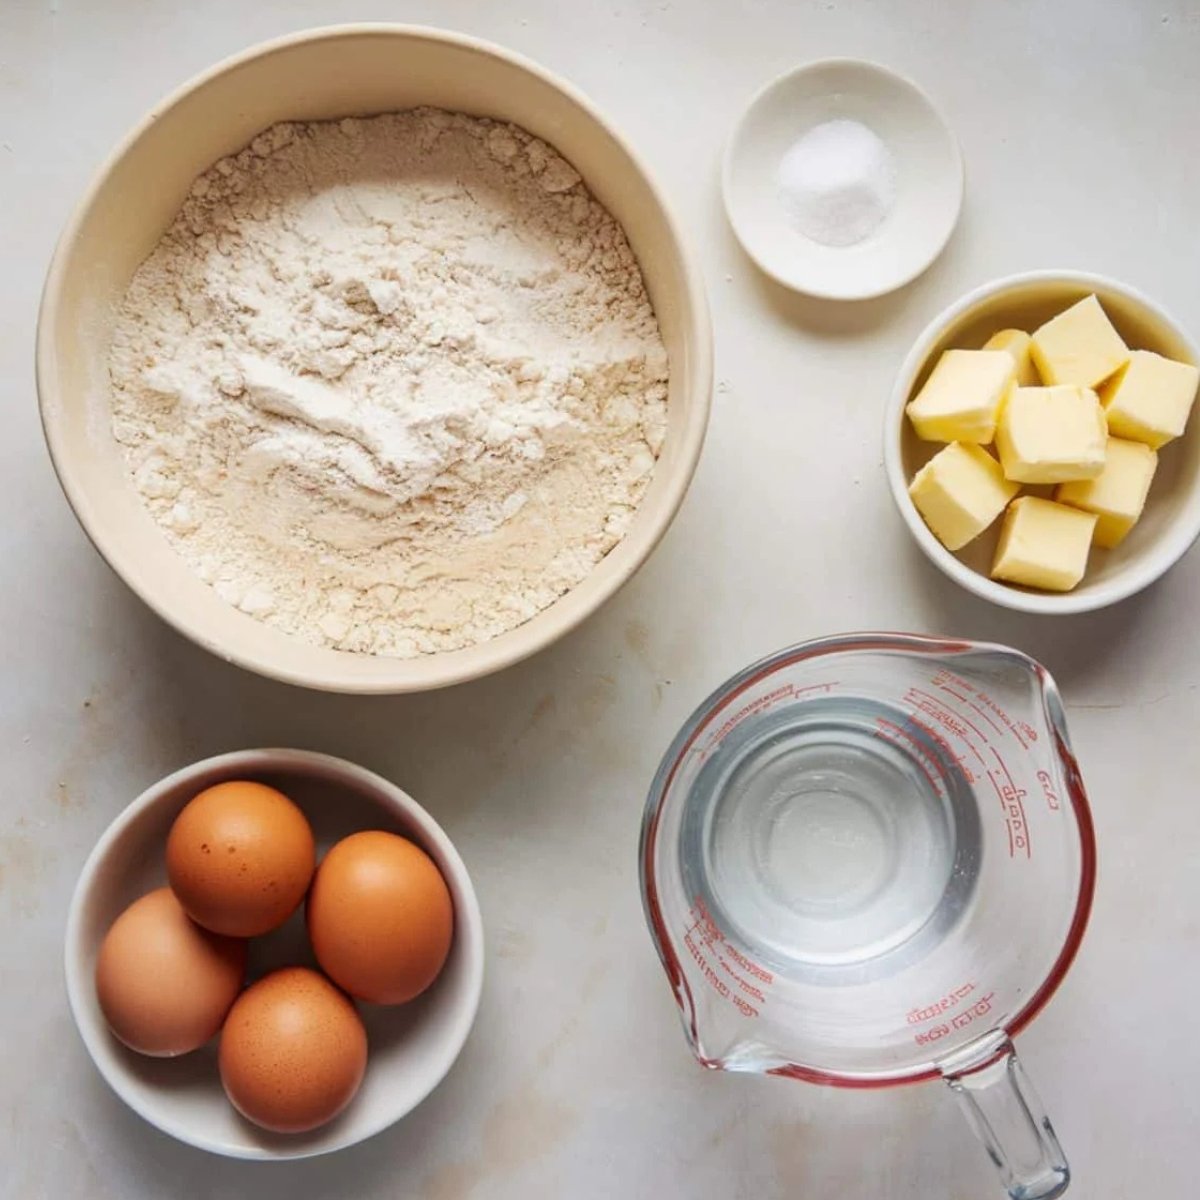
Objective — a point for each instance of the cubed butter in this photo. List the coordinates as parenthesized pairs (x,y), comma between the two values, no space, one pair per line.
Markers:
(1051,435)
(1043,544)
(1149,401)
(962,396)
(1017,343)
(1078,346)
(1118,494)
(959,492)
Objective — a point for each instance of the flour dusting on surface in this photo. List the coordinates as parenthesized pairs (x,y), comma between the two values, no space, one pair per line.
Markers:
(391,384)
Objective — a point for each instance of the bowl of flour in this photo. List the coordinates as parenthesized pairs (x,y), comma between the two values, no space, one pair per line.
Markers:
(373,359)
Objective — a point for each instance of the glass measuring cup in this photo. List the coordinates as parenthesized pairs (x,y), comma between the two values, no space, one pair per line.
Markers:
(869,860)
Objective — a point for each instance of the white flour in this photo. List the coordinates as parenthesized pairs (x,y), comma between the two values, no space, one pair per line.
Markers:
(391,384)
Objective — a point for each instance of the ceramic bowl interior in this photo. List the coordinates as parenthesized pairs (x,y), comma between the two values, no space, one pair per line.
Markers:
(327,73)
(412,1046)
(1171,520)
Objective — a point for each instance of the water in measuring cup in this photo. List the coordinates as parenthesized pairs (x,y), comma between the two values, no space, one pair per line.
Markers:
(826,850)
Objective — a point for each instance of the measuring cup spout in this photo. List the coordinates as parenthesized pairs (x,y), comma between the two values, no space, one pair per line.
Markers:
(1003,1109)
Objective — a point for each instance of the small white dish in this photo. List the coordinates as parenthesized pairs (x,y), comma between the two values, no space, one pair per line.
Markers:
(929,179)
(411,1046)
(1171,521)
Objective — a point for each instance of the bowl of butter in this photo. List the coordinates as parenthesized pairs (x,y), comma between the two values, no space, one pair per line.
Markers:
(1038,442)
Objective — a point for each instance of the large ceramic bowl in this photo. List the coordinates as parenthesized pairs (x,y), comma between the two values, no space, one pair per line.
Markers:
(1171,521)
(326,73)
(411,1046)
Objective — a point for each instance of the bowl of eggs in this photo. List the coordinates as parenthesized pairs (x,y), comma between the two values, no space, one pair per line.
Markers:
(274,954)
(1038,446)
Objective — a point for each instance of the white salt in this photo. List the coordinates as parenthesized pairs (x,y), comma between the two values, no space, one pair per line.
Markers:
(838,182)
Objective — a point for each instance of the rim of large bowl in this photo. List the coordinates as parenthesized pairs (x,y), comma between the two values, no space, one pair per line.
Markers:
(546,627)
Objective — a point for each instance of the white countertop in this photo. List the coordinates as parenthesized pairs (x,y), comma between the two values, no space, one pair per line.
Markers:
(1080,128)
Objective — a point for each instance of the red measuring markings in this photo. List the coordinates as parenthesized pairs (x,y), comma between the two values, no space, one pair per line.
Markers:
(787,691)
(954,997)
(957,759)
(960,1020)
(985,707)
(889,731)
(944,679)
(988,705)
(1047,782)
(953,722)
(1012,803)
(729,973)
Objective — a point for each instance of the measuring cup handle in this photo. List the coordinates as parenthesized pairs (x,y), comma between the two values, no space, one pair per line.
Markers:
(1008,1118)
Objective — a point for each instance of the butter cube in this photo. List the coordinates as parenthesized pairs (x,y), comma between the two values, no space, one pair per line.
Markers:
(1043,544)
(962,395)
(1078,346)
(959,492)
(1118,494)
(1150,399)
(1051,435)
(1017,343)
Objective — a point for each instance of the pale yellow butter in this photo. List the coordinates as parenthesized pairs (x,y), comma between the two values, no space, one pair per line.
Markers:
(1019,344)
(1051,435)
(1118,494)
(1149,401)
(962,396)
(959,492)
(1043,544)
(1078,346)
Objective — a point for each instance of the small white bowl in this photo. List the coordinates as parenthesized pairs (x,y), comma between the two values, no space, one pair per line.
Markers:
(411,1047)
(929,179)
(1171,521)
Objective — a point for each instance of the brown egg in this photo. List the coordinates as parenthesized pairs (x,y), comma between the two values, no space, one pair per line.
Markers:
(239,857)
(164,984)
(293,1051)
(380,917)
